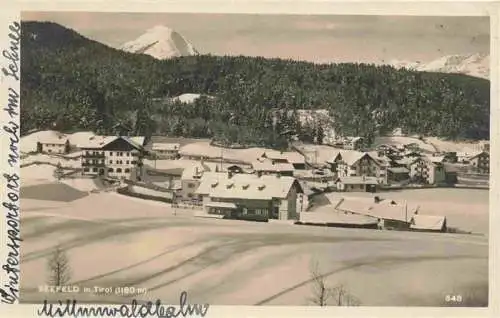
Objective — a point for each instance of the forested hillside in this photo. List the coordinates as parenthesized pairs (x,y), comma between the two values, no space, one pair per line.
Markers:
(70,82)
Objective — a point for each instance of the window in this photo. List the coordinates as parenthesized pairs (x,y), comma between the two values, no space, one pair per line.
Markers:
(127,170)
(191,185)
(86,170)
(110,170)
(94,169)
(128,162)
(119,170)
(190,195)
(111,153)
(111,162)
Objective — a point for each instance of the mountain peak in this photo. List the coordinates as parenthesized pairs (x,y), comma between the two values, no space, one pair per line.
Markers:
(160,42)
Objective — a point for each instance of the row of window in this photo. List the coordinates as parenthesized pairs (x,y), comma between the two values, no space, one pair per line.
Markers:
(118,170)
(53,145)
(118,162)
(118,153)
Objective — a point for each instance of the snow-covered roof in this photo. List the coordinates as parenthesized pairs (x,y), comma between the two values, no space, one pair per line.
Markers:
(165,146)
(269,166)
(350,157)
(386,209)
(98,142)
(245,186)
(358,180)
(427,222)
(291,156)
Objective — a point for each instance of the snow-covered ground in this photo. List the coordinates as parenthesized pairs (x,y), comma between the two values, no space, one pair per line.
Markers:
(203,148)
(224,262)
(465,209)
(29,142)
(114,240)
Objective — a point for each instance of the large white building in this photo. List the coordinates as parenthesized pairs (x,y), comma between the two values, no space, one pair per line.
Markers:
(113,156)
(240,195)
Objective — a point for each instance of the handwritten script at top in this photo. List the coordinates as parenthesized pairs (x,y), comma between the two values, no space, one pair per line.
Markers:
(11,73)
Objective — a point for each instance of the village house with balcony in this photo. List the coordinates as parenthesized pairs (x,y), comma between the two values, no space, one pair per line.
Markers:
(246,195)
(113,157)
(348,163)
(58,144)
(427,170)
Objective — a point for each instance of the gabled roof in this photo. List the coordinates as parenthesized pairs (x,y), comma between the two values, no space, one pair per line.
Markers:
(246,186)
(165,146)
(436,159)
(358,180)
(427,222)
(55,138)
(398,170)
(382,210)
(477,154)
(98,142)
(269,166)
(291,156)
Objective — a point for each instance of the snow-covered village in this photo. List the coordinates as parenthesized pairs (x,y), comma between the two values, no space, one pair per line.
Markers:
(247,193)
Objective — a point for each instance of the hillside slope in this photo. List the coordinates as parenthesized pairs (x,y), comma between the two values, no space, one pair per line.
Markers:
(70,82)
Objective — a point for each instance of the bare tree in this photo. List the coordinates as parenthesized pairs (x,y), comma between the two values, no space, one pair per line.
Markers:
(322,293)
(58,268)
(343,298)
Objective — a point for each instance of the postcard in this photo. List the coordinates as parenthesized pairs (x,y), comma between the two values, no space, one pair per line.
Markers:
(167,163)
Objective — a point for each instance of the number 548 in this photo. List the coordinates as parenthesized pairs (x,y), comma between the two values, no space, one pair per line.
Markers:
(453,298)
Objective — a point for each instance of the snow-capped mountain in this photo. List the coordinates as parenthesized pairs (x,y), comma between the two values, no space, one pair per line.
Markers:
(160,42)
(477,65)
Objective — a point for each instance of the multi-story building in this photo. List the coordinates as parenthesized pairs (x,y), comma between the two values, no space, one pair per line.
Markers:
(480,162)
(114,157)
(427,170)
(346,163)
(240,195)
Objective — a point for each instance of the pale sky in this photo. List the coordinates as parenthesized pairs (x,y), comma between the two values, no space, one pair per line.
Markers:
(319,38)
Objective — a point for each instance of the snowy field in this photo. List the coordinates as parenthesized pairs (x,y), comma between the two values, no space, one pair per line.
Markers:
(465,209)
(112,240)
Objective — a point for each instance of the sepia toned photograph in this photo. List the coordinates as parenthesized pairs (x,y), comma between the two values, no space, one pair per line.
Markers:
(255,159)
